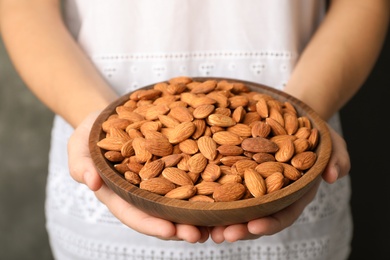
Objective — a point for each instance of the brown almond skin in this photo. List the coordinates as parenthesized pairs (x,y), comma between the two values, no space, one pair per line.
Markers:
(132,177)
(151,169)
(159,186)
(206,187)
(303,161)
(274,182)
(181,132)
(255,183)
(230,150)
(182,192)
(208,147)
(201,198)
(158,146)
(263,157)
(114,156)
(290,172)
(268,168)
(259,145)
(197,163)
(225,137)
(285,152)
(211,173)
(177,176)
(230,191)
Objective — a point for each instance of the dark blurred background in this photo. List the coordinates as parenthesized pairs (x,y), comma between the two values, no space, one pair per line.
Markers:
(25,127)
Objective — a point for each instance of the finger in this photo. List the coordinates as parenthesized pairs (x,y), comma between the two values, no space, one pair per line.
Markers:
(134,218)
(217,234)
(339,162)
(205,234)
(286,217)
(191,234)
(238,232)
(81,166)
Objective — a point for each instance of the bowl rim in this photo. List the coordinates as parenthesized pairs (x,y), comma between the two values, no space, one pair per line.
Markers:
(112,177)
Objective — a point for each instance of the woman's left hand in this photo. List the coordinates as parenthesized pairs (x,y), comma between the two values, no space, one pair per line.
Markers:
(338,167)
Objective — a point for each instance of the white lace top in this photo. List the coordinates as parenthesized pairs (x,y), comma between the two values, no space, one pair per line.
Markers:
(134,43)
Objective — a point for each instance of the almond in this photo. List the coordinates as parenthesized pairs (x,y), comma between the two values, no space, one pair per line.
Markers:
(205,87)
(176,176)
(237,101)
(201,198)
(239,114)
(268,168)
(208,147)
(197,163)
(220,120)
(145,94)
(226,137)
(301,145)
(182,114)
(314,138)
(159,186)
(230,191)
(206,187)
(274,182)
(242,165)
(181,132)
(303,132)
(121,167)
(158,146)
(240,130)
(200,127)
(255,183)
(127,149)
(276,127)
(141,154)
(203,111)
(263,157)
(259,145)
(151,169)
(176,88)
(182,192)
(189,146)
(230,160)
(230,178)
(111,143)
(220,98)
(180,79)
(262,108)
(114,156)
(290,172)
(168,121)
(290,123)
(132,177)
(285,152)
(303,161)
(229,150)
(115,122)
(153,112)
(211,173)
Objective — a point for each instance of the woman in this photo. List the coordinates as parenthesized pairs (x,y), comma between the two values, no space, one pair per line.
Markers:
(79,63)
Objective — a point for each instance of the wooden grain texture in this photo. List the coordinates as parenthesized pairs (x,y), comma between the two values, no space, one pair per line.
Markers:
(218,213)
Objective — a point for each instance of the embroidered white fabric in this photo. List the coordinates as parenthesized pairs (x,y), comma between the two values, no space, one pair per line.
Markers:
(228,43)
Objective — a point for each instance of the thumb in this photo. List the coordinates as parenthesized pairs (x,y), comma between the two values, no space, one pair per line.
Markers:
(81,166)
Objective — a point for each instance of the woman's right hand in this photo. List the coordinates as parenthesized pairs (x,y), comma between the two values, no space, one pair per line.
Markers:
(82,170)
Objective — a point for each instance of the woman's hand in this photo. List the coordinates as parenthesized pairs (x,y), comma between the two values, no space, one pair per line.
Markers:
(338,166)
(82,169)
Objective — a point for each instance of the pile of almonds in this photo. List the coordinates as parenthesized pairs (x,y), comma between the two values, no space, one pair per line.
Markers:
(213,140)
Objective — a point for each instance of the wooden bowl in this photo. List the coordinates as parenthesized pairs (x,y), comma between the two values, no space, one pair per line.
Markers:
(217,213)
